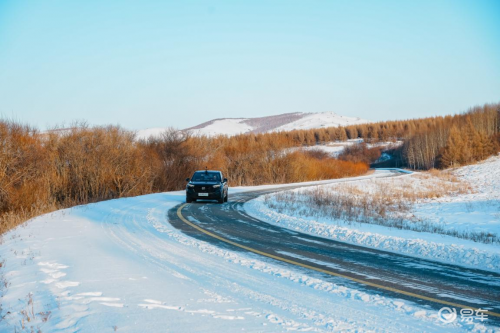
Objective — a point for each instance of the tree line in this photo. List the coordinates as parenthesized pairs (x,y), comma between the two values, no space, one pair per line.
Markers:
(61,168)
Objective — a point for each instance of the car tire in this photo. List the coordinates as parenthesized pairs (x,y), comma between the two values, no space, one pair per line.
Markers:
(226,197)
(188,199)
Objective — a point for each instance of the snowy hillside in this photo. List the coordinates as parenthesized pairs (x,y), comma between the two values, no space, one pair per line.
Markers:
(282,122)
(319,120)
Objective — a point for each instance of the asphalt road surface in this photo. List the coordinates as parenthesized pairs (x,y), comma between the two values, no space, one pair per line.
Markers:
(430,284)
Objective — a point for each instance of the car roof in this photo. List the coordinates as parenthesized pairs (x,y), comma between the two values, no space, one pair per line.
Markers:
(208,171)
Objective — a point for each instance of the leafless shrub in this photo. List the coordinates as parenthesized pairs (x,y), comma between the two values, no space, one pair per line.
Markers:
(31,321)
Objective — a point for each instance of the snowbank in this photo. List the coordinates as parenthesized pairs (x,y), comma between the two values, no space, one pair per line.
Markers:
(479,211)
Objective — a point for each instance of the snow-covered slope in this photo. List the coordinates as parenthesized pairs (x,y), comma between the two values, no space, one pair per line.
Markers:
(282,122)
(319,120)
(150,132)
(227,126)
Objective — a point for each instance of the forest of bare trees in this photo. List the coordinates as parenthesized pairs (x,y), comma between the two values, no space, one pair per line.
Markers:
(434,142)
(40,172)
(452,141)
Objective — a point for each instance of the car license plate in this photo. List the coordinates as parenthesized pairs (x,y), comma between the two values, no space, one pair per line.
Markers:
(203,194)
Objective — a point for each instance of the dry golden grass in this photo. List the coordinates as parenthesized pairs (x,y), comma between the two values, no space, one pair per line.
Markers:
(12,219)
(426,185)
(387,202)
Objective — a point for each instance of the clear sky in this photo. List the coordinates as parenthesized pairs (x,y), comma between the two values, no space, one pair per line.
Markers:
(165,63)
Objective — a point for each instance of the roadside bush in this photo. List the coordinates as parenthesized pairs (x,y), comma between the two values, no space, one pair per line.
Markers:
(360,153)
(93,164)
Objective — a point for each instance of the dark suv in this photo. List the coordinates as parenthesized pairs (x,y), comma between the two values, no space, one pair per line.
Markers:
(207,185)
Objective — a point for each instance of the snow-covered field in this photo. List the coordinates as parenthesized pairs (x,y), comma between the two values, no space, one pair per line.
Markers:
(120,266)
(334,149)
(474,212)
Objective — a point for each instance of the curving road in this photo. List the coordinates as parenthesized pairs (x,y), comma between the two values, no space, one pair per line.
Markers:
(428,283)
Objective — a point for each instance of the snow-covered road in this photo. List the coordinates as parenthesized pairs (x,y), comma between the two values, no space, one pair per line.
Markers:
(121,266)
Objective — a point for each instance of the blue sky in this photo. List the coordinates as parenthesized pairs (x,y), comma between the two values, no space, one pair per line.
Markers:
(147,64)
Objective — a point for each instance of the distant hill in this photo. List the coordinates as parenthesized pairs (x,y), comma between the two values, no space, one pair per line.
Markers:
(282,122)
